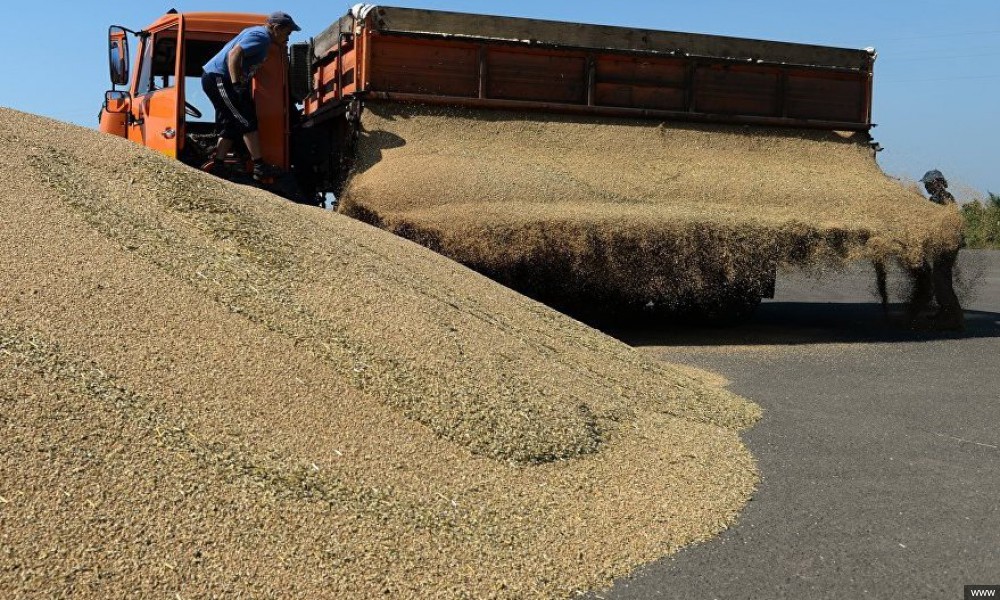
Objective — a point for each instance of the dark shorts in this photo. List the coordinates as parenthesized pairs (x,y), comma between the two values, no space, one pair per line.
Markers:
(235,112)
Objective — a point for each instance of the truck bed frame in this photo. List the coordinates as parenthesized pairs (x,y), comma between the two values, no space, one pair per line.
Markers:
(408,55)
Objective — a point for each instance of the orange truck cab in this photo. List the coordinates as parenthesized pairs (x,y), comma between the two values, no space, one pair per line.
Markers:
(161,104)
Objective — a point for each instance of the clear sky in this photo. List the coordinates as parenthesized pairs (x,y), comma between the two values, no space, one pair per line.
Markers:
(937,85)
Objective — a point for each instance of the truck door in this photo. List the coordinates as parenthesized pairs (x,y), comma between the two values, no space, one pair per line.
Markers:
(159,91)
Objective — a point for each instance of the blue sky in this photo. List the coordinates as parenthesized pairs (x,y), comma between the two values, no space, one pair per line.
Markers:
(937,94)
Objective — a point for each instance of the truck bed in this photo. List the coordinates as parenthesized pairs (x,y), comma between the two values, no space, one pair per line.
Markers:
(480,61)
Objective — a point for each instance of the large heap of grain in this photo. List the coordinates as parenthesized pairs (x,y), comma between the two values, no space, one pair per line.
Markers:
(206,391)
(582,212)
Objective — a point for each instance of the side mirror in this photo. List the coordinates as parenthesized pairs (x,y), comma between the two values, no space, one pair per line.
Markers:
(118,55)
(117,101)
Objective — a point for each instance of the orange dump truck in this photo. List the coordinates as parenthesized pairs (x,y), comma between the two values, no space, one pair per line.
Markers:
(310,97)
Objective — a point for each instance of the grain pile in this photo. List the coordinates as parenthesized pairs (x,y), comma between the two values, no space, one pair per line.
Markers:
(607,214)
(206,392)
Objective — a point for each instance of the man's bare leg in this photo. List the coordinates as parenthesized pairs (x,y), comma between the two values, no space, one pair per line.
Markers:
(218,159)
(252,141)
(223,148)
(263,173)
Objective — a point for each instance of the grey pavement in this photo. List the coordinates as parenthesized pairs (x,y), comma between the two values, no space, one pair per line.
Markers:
(879,449)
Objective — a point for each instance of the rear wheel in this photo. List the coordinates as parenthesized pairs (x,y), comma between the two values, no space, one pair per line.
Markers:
(299,71)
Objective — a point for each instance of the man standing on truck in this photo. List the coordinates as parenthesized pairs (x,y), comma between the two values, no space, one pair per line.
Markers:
(226,80)
(936,280)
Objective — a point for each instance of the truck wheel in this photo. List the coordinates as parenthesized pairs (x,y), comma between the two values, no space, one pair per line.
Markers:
(299,71)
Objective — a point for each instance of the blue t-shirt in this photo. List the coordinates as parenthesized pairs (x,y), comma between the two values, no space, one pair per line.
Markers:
(255,42)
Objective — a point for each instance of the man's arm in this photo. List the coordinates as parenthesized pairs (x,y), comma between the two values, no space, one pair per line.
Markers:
(235,63)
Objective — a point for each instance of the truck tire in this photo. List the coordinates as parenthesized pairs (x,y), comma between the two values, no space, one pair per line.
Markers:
(299,71)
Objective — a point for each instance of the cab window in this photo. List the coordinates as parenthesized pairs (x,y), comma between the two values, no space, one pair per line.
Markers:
(159,62)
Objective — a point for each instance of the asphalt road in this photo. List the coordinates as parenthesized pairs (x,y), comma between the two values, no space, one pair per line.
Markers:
(879,449)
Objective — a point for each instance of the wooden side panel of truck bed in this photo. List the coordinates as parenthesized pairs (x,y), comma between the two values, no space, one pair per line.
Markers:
(416,62)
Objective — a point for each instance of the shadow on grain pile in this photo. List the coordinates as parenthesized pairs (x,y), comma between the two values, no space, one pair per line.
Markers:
(602,216)
(205,390)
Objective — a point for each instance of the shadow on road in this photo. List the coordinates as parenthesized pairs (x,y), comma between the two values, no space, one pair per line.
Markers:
(800,323)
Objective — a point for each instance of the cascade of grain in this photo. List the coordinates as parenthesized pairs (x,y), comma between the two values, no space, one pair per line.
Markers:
(602,213)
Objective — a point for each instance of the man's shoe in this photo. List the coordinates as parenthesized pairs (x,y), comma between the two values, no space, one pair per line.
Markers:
(265,173)
(219,168)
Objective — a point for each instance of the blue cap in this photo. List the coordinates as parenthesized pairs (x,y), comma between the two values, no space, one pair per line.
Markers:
(932,176)
(283,19)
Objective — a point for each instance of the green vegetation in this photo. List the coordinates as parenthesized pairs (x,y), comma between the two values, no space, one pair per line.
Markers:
(982,223)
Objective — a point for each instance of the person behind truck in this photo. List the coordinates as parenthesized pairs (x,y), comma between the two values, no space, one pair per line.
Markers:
(226,80)
(937,187)
(935,279)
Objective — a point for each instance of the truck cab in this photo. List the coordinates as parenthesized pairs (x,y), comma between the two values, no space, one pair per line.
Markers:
(157,100)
